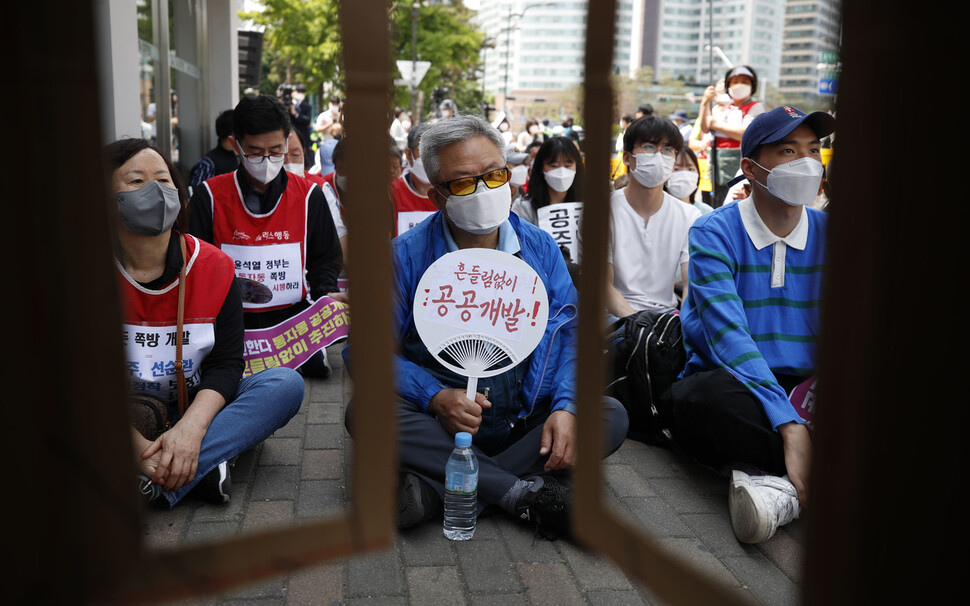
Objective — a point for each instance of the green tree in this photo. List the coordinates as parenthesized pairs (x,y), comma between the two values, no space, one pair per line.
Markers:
(450,43)
(301,42)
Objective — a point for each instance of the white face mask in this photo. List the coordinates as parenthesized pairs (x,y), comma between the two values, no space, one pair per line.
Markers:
(796,182)
(263,169)
(681,183)
(503,127)
(560,179)
(533,129)
(480,212)
(296,168)
(417,169)
(299,97)
(740,92)
(652,169)
(520,174)
(335,109)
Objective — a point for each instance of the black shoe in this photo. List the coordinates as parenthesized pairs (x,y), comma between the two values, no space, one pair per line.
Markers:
(215,486)
(546,505)
(416,502)
(151,492)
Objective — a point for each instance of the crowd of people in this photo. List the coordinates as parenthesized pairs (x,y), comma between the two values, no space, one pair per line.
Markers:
(740,268)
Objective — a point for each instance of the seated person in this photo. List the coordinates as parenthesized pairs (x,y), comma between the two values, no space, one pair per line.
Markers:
(409,193)
(751,324)
(294,163)
(223,416)
(524,432)
(648,227)
(259,215)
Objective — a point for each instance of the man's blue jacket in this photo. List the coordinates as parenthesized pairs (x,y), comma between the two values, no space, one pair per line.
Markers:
(548,375)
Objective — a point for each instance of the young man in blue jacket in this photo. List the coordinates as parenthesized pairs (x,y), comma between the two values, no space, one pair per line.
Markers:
(524,431)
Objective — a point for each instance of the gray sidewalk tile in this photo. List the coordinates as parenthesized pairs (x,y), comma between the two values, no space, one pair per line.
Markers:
(375,574)
(504,599)
(486,567)
(435,586)
(657,517)
(324,436)
(593,572)
(605,597)
(549,584)
(425,545)
(268,514)
(204,532)
(322,465)
(626,482)
(317,586)
(276,483)
(700,557)
(716,533)
(524,546)
(282,451)
(320,498)
(769,585)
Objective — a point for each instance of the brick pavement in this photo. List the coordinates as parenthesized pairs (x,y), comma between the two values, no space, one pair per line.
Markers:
(301,472)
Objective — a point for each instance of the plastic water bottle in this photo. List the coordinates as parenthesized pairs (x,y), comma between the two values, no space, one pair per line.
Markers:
(461,489)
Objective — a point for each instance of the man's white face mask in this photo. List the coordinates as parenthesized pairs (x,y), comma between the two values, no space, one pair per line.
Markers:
(263,168)
(417,168)
(294,167)
(795,183)
(482,211)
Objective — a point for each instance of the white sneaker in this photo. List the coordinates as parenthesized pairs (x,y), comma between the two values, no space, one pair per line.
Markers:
(760,504)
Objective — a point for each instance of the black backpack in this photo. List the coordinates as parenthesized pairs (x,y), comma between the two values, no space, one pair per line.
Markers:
(647,351)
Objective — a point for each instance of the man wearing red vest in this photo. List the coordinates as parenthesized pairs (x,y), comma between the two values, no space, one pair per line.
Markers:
(409,193)
(276,226)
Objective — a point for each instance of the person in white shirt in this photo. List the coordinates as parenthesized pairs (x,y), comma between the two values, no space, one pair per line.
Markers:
(648,226)
(327,118)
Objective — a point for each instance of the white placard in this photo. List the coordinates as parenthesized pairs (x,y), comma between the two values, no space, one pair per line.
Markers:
(563,221)
(278,267)
(410,218)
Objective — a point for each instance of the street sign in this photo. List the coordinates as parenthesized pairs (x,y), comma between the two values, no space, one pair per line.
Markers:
(828,86)
(830,57)
(412,72)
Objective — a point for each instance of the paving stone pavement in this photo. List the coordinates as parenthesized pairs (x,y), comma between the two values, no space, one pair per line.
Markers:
(301,472)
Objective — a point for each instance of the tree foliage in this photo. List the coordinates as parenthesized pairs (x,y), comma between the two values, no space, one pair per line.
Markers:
(301,42)
(450,43)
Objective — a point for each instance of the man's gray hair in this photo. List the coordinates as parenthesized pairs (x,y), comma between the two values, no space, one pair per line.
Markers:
(454,130)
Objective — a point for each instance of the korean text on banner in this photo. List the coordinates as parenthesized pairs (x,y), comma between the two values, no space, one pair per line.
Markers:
(292,342)
(563,221)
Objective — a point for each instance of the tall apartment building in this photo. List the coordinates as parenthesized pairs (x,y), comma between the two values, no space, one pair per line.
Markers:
(678,35)
(539,46)
(812,27)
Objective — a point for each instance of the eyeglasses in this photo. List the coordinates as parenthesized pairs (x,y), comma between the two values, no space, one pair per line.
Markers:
(258,158)
(650,148)
(468,185)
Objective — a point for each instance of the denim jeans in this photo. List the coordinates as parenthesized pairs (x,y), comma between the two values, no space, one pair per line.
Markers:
(264,402)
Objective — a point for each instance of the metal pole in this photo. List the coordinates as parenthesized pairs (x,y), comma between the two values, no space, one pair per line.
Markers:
(415,117)
(505,83)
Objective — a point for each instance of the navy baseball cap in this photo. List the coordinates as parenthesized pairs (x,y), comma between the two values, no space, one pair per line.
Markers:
(777,124)
(780,122)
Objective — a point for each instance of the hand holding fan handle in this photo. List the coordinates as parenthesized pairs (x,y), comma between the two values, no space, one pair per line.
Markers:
(472,388)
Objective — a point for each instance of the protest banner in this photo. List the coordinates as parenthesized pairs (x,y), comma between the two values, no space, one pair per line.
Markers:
(292,342)
(406,219)
(563,221)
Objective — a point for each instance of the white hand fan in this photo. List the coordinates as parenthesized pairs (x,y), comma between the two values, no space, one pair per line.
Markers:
(480,312)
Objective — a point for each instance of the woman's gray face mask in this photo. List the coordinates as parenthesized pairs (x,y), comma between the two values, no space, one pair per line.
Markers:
(149,210)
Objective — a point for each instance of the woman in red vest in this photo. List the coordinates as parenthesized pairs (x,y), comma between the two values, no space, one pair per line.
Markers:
(728,126)
(223,415)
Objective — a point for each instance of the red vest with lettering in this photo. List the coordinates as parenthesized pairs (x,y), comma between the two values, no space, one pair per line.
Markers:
(150,318)
(407,201)
(269,251)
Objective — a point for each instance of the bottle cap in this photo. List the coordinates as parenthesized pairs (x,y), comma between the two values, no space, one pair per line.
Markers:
(463,438)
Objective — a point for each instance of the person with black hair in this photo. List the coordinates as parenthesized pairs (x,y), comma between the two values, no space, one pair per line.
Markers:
(220,159)
(301,114)
(218,414)
(645,110)
(328,118)
(409,192)
(741,83)
(683,181)
(260,213)
(648,227)
(556,176)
